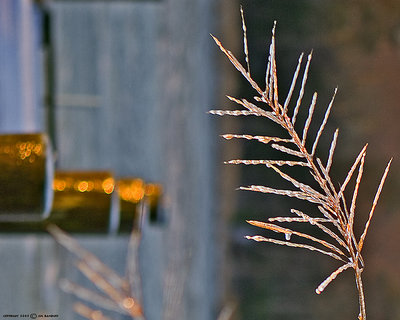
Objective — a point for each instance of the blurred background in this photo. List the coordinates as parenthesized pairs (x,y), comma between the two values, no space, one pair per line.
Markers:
(124,87)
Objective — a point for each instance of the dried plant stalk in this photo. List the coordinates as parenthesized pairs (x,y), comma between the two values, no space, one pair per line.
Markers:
(118,291)
(337,218)
(89,313)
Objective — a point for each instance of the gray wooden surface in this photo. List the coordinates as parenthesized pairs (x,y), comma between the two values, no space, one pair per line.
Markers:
(22,108)
(33,265)
(133,83)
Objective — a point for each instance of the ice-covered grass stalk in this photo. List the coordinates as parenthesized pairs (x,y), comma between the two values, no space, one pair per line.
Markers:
(115,291)
(336,217)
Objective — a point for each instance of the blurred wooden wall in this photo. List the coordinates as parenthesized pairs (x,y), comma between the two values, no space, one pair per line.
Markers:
(22,107)
(132,84)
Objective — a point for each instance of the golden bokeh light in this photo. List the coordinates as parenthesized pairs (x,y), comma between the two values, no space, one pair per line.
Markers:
(131,190)
(59,185)
(82,200)
(153,189)
(83,186)
(22,147)
(26,171)
(108,185)
(100,182)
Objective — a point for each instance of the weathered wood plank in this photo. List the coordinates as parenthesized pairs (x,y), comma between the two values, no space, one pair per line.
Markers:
(133,84)
(22,108)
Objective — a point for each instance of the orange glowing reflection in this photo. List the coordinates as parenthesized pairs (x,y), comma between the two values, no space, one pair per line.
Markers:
(131,190)
(20,149)
(108,185)
(90,181)
(26,150)
(59,185)
(90,186)
(153,190)
(38,149)
(83,186)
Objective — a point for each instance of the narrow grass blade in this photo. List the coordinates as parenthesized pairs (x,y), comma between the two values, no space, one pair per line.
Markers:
(238,66)
(317,222)
(88,313)
(295,245)
(301,93)
(332,151)
(234,113)
(288,151)
(298,220)
(246,104)
(245,46)
(331,215)
(252,107)
(133,268)
(99,281)
(120,298)
(371,213)
(90,259)
(303,187)
(267,75)
(279,229)
(262,139)
(293,84)
(89,296)
(355,193)
(273,70)
(351,171)
(332,277)
(268,162)
(271,77)
(289,193)
(309,118)
(322,127)
(327,177)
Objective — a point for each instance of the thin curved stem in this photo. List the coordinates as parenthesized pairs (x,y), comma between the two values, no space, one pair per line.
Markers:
(361,298)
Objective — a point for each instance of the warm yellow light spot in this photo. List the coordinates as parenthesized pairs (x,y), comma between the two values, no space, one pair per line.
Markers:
(108,185)
(137,190)
(59,185)
(90,186)
(22,146)
(150,189)
(38,149)
(125,194)
(137,194)
(83,186)
(153,189)
(131,190)
(128,303)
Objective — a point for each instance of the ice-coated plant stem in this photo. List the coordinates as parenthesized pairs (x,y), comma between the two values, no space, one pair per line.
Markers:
(336,215)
